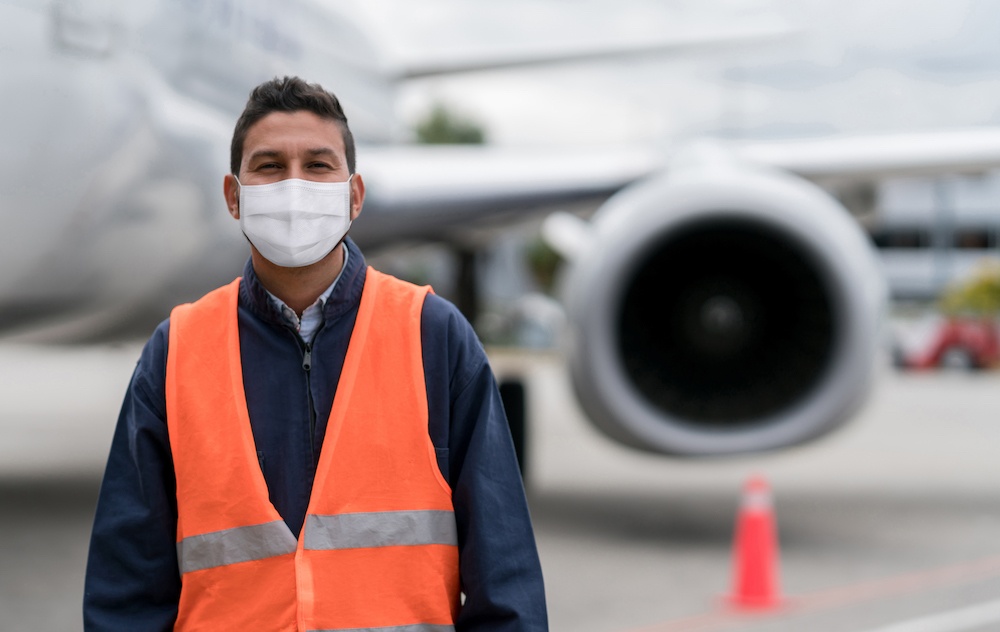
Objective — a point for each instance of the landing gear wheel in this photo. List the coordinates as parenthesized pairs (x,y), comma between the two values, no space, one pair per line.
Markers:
(512,395)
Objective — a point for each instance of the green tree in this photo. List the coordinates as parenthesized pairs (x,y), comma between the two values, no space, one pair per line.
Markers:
(544,263)
(979,295)
(442,126)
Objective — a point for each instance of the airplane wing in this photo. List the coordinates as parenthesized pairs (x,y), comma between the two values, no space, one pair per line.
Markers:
(429,192)
(870,157)
(528,56)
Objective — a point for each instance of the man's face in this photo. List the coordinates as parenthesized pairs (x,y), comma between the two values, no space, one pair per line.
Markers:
(298,144)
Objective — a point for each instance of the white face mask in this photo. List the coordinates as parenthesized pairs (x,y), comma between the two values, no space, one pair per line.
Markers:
(295,223)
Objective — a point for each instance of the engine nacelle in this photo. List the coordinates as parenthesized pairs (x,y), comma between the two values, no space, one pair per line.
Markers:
(723,311)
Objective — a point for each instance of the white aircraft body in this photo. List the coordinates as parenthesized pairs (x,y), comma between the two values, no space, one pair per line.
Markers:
(719,302)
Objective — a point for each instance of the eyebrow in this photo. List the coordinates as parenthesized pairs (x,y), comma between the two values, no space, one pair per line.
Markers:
(274,153)
(264,153)
(322,151)
(326,152)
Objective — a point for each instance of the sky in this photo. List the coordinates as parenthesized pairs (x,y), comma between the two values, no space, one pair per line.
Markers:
(847,66)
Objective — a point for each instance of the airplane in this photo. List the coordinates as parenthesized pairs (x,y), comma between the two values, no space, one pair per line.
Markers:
(720,301)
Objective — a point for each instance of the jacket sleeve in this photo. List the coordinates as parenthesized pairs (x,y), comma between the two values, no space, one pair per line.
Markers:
(132,579)
(500,571)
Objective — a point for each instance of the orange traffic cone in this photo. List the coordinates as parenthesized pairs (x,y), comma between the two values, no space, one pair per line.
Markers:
(755,550)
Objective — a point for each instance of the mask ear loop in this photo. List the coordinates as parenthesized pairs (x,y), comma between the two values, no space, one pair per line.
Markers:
(240,185)
(350,196)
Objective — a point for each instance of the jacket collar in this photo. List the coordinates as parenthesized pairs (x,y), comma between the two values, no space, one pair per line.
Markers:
(345,296)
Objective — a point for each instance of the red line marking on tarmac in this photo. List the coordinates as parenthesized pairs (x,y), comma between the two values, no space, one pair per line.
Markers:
(894,586)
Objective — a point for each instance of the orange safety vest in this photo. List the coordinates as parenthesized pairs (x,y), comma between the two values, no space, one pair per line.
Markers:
(379,547)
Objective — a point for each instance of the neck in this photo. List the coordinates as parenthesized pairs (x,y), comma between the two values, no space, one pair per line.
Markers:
(299,287)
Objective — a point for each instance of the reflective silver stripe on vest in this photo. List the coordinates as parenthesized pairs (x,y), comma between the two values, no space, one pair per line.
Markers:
(417,627)
(385,528)
(231,546)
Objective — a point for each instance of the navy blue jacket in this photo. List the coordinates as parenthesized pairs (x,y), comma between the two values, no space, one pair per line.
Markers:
(132,580)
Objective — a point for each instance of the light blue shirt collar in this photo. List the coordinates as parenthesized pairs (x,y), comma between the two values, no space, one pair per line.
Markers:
(312,316)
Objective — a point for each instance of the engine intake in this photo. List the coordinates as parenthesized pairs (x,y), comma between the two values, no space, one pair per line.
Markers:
(723,311)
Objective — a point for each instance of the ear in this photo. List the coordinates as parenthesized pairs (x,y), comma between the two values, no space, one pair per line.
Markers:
(357,195)
(231,191)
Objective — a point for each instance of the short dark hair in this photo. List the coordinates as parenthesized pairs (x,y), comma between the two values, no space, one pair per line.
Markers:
(288,94)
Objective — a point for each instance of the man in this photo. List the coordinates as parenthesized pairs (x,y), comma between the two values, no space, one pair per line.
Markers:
(316,446)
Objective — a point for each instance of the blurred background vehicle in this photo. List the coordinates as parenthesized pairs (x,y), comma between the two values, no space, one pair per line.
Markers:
(964,333)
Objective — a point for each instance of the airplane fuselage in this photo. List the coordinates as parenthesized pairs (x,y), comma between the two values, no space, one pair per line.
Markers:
(116,129)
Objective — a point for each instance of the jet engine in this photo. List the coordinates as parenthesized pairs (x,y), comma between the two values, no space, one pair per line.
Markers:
(722,311)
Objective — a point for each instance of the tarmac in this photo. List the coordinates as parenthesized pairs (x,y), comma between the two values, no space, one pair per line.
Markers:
(890,525)
(894,518)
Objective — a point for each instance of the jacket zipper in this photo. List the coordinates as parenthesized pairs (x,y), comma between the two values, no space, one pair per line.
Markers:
(307,366)
(307,358)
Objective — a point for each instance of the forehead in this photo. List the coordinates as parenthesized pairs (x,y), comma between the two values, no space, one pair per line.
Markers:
(290,132)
